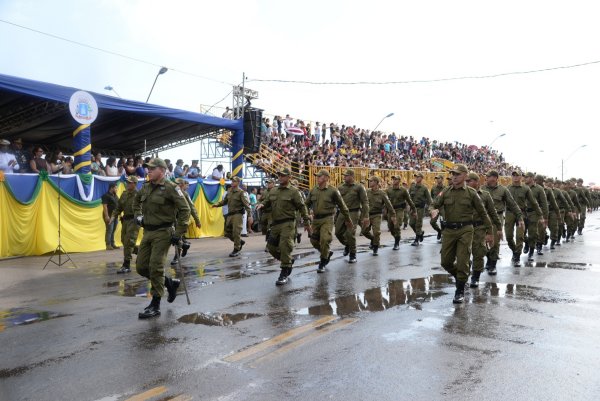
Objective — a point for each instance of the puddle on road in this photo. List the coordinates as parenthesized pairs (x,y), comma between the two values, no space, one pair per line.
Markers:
(19,316)
(564,265)
(522,292)
(217,319)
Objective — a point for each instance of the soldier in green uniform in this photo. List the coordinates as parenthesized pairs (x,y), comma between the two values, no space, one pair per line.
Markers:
(265,215)
(503,200)
(323,200)
(406,215)
(355,197)
(572,223)
(537,223)
(377,201)
(284,202)
(479,249)
(400,198)
(294,183)
(158,206)
(237,204)
(129,230)
(570,212)
(553,214)
(437,187)
(184,186)
(583,194)
(421,197)
(460,203)
(556,213)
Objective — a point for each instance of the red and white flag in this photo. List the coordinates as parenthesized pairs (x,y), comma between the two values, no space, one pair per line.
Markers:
(294,131)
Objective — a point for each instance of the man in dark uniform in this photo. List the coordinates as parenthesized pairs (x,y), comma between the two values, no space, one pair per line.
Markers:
(265,215)
(421,197)
(323,199)
(573,224)
(460,204)
(437,187)
(129,229)
(157,207)
(400,198)
(355,198)
(556,213)
(237,204)
(583,194)
(537,223)
(377,201)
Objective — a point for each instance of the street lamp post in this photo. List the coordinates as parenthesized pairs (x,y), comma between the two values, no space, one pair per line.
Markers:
(110,88)
(496,138)
(562,162)
(388,116)
(160,72)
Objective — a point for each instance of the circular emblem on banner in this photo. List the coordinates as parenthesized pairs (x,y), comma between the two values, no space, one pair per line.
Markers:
(83,107)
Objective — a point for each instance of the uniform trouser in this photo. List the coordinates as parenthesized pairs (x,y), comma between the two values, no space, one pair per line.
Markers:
(494,252)
(534,230)
(233,229)
(510,223)
(582,214)
(322,235)
(375,226)
(281,242)
(553,223)
(479,248)
(416,222)
(571,224)
(265,221)
(346,236)
(561,227)
(434,222)
(152,257)
(396,229)
(129,234)
(109,237)
(406,216)
(456,251)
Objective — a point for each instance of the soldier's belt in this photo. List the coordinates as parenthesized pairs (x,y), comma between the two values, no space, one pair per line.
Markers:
(374,214)
(323,216)
(277,222)
(400,206)
(128,217)
(419,205)
(477,223)
(456,226)
(356,209)
(529,210)
(236,212)
(151,227)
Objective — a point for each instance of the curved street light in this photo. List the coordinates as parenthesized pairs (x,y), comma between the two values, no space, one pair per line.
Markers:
(388,116)
(110,88)
(160,72)
(495,139)
(562,162)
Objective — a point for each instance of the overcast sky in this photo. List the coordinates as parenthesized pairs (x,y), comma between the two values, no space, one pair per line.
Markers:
(207,45)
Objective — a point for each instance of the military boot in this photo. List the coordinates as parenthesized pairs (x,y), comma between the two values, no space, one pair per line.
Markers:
(242,243)
(329,257)
(415,242)
(558,241)
(375,248)
(322,264)
(492,269)
(152,310)
(439,235)
(283,276)
(125,268)
(352,258)
(539,250)
(298,238)
(396,243)
(530,257)
(421,236)
(346,250)
(475,280)
(552,243)
(234,253)
(459,294)
(580,231)
(546,238)
(516,260)
(526,248)
(172,284)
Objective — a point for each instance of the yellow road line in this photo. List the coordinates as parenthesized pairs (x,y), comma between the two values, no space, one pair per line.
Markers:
(146,395)
(304,340)
(278,339)
(181,397)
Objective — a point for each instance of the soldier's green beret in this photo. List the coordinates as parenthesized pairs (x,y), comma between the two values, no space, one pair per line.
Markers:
(236,179)
(529,174)
(550,180)
(418,174)
(516,172)
(156,162)
(473,176)
(349,172)
(492,173)
(374,178)
(539,177)
(322,172)
(132,178)
(459,169)
(439,176)
(284,171)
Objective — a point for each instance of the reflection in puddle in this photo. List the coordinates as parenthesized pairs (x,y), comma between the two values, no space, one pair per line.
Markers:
(217,319)
(19,316)
(518,291)
(564,265)
(396,292)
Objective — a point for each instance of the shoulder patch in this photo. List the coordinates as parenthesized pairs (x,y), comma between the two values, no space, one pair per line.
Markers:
(179,191)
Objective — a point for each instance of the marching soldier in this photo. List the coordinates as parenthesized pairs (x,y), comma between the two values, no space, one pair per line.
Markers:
(435,191)
(399,197)
(556,217)
(421,197)
(570,212)
(583,194)
(503,200)
(323,199)
(284,201)
(573,223)
(355,198)
(522,196)
(265,216)
(237,204)
(129,230)
(460,204)
(537,223)
(158,206)
(406,215)
(479,248)
(553,214)
(184,185)
(377,201)
(294,183)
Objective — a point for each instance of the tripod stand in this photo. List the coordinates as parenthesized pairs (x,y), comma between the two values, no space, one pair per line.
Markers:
(59,248)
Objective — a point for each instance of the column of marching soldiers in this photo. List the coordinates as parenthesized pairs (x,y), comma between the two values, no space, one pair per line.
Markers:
(470,219)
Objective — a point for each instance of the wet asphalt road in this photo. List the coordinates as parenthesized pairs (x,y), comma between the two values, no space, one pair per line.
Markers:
(382,329)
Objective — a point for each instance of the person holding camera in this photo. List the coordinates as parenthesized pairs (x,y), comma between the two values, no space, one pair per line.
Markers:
(129,230)
(237,204)
(158,206)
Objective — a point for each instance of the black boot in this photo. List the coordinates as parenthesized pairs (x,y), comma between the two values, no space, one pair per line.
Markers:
(459,294)
(579,231)
(371,245)
(516,259)
(539,250)
(298,238)
(352,258)
(421,236)
(174,261)
(135,250)
(322,264)
(283,276)
(475,279)
(234,253)
(172,285)
(552,243)
(546,238)
(526,248)
(152,310)
(396,243)
(492,269)
(346,250)
(530,257)
(375,248)
(415,242)
(329,257)
(439,236)
(558,242)
(125,268)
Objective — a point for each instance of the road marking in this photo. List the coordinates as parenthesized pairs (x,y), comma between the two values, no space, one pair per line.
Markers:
(278,339)
(181,397)
(304,340)
(146,395)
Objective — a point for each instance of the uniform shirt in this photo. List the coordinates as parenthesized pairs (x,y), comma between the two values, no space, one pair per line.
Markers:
(435,190)
(503,200)
(542,201)
(490,208)
(323,201)
(522,194)
(420,195)
(552,203)
(399,197)
(377,201)
(562,202)
(284,202)
(162,203)
(583,195)
(575,200)
(265,196)
(237,201)
(567,197)
(355,197)
(125,204)
(460,204)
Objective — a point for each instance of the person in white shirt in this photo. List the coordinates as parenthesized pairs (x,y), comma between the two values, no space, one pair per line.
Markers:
(8,161)
(217,173)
